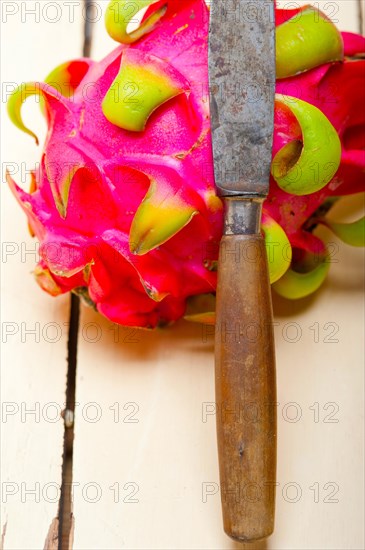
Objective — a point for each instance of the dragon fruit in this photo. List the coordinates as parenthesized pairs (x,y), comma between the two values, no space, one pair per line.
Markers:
(124,203)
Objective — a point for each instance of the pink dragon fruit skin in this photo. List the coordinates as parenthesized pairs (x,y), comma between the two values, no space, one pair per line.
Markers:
(130,219)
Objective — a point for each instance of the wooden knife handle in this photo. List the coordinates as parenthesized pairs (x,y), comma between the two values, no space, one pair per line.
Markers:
(245,388)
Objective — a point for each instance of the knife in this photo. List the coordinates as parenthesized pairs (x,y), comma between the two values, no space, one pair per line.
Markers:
(242,88)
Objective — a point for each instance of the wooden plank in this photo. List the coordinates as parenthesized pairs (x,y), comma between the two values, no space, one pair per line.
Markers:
(145,459)
(33,363)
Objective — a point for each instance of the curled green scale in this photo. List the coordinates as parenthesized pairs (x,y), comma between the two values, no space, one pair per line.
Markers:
(297,283)
(15,104)
(278,248)
(350,233)
(120,13)
(307,169)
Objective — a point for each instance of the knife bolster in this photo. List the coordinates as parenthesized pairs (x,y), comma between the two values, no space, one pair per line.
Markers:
(242,215)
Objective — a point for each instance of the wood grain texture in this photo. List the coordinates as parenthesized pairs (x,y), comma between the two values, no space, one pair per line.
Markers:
(245,388)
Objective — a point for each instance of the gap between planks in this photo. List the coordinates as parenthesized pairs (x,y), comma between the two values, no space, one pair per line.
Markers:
(64,525)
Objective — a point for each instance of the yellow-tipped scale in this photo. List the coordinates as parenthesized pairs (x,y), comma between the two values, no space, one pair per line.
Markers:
(278,248)
(160,216)
(120,13)
(143,83)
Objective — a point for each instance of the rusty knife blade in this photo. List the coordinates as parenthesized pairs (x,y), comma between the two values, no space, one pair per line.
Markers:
(242,91)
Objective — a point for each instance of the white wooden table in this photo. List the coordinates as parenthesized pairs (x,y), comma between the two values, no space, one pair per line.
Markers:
(145,473)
